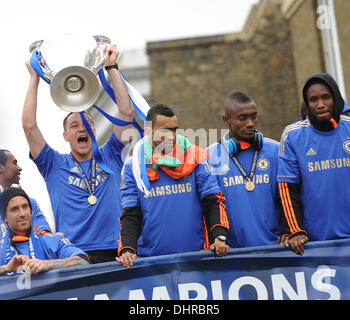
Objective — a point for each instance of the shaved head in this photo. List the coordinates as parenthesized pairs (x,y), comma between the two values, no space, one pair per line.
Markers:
(236,98)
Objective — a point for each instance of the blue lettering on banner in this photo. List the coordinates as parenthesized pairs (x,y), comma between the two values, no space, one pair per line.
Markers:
(259,273)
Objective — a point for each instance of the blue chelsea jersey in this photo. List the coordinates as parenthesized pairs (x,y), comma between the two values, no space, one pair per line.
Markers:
(172,213)
(320,162)
(89,227)
(254,217)
(46,247)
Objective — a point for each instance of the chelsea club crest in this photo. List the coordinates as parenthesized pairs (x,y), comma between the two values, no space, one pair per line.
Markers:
(346,146)
(263,164)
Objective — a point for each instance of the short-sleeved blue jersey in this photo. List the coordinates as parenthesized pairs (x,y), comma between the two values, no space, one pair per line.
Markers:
(90,227)
(320,163)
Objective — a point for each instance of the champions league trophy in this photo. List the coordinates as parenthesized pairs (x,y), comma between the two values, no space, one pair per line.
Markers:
(71,64)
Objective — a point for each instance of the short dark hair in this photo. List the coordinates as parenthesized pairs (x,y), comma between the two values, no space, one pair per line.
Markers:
(69,114)
(239,97)
(159,109)
(3,156)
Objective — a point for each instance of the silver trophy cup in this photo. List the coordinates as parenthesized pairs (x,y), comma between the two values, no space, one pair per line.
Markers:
(71,65)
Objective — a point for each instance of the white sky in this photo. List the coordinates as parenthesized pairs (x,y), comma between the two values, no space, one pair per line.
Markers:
(129,24)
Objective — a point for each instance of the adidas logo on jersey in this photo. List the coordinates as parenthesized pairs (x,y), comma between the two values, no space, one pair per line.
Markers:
(74,169)
(225,167)
(311,152)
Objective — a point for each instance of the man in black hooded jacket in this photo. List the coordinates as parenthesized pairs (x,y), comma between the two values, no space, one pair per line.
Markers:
(314,167)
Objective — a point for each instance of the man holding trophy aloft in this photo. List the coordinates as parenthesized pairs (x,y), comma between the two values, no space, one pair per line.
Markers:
(85,198)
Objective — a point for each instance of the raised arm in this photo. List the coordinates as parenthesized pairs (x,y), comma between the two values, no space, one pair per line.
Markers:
(32,132)
(126,110)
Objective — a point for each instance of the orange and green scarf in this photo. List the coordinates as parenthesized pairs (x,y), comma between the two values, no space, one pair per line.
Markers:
(178,163)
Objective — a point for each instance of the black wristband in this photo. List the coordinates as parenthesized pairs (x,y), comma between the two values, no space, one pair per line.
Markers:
(113,66)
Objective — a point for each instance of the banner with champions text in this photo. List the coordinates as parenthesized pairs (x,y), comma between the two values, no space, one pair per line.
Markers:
(256,273)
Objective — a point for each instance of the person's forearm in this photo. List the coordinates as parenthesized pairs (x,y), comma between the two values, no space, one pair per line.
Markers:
(34,137)
(125,107)
(130,231)
(292,217)
(3,269)
(65,263)
(30,105)
(215,211)
(215,217)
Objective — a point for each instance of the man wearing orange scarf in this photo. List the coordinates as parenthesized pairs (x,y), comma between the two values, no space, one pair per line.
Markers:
(181,207)
(21,247)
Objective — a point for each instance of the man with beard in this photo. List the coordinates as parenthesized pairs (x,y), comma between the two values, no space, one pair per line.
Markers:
(21,247)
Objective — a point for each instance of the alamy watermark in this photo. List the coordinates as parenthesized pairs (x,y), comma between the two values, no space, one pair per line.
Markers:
(24,280)
(203,138)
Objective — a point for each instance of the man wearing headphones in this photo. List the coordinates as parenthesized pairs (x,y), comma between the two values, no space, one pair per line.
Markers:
(245,163)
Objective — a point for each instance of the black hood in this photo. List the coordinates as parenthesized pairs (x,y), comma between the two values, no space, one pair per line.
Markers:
(325,78)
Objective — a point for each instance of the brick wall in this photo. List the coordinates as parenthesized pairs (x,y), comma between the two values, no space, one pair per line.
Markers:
(195,75)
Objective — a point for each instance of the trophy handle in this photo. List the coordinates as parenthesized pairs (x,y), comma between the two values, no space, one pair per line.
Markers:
(98,65)
(100,41)
(48,73)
